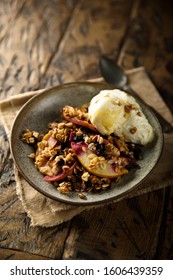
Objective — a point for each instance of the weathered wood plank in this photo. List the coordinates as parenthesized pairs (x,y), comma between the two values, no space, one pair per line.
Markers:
(165,238)
(126,230)
(93,30)
(150,43)
(9,254)
(16,232)
(51,42)
(30,43)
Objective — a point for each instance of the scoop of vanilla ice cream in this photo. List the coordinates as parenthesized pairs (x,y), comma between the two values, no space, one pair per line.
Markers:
(115,111)
(105,111)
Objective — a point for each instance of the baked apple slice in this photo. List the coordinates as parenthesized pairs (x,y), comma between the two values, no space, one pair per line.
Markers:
(98,165)
(74,118)
(60,176)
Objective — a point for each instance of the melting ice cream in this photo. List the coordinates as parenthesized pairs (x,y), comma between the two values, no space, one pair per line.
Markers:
(115,111)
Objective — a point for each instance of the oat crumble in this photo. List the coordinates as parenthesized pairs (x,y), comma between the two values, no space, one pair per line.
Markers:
(55,157)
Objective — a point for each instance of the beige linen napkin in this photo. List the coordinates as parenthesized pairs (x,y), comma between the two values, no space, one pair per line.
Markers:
(50,212)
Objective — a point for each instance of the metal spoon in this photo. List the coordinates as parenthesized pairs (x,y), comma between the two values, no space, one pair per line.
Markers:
(114,74)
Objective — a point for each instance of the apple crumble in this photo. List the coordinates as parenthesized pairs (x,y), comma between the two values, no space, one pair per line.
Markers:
(74,157)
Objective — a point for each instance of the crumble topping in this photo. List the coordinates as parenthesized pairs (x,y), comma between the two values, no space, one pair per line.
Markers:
(55,157)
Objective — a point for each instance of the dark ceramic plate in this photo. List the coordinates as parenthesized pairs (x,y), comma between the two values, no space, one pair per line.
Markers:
(44,108)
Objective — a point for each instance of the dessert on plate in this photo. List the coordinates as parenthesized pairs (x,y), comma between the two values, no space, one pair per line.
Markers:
(92,146)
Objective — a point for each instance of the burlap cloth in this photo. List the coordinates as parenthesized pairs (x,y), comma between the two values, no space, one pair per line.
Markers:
(46,212)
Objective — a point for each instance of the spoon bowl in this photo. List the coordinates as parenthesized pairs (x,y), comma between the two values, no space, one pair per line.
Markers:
(112,72)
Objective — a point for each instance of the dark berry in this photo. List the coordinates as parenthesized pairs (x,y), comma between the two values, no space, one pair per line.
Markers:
(61,162)
(78,138)
(100,148)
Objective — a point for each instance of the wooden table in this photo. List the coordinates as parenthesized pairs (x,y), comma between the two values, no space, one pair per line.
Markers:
(50,42)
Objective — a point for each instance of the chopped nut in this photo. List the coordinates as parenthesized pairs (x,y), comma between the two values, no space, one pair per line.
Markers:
(105,186)
(35,134)
(70,158)
(87,139)
(69,124)
(127,108)
(91,146)
(31,140)
(85,176)
(116,102)
(139,114)
(82,196)
(98,187)
(64,187)
(79,133)
(133,130)
(61,125)
(101,140)
(32,155)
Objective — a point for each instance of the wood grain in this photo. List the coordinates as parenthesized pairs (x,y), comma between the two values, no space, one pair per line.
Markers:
(9,254)
(46,43)
(118,231)
(30,44)
(97,31)
(150,43)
